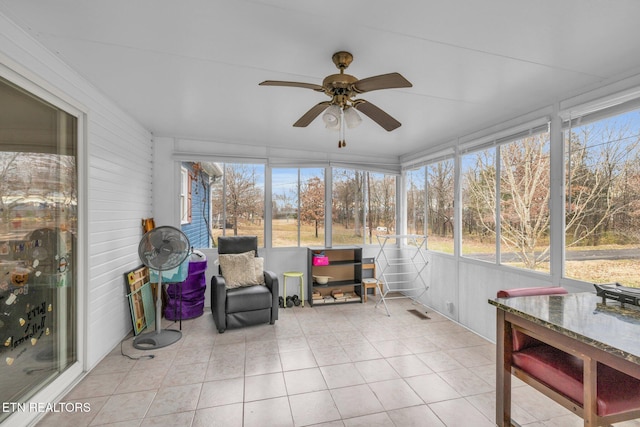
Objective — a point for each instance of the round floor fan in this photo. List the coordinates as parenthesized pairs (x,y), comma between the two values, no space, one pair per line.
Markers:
(162,248)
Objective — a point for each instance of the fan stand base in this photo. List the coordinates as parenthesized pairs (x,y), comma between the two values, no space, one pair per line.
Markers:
(157,339)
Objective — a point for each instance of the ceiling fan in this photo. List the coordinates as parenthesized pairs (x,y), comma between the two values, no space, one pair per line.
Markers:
(342,88)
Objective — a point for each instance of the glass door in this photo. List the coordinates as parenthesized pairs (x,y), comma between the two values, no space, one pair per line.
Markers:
(38,238)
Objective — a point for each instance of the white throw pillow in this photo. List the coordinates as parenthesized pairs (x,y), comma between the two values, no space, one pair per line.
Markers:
(258,263)
(238,269)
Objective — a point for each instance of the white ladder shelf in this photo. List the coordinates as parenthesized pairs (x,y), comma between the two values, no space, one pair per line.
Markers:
(401,261)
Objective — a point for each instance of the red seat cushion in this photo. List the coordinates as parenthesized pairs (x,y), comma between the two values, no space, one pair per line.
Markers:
(617,392)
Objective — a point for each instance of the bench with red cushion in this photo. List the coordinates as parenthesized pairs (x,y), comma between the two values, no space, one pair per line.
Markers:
(562,372)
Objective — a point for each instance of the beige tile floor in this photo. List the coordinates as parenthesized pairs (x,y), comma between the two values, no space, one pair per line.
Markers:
(348,365)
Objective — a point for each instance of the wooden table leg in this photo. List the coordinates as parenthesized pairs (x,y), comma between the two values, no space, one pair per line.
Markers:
(590,380)
(504,348)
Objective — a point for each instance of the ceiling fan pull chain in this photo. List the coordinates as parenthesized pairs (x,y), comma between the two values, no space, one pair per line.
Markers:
(342,126)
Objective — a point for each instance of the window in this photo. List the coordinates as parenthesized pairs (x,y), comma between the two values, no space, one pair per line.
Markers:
(237,201)
(523,193)
(415,189)
(525,190)
(285,184)
(364,206)
(348,207)
(381,205)
(312,207)
(440,194)
(230,199)
(297,207)
(38,240)
(478,174)
(602,191)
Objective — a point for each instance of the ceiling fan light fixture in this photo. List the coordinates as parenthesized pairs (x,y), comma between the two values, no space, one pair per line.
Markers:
(351,117)
(331,117)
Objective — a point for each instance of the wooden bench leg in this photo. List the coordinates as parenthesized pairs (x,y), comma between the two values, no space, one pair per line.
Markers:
(590,382)
(504,348)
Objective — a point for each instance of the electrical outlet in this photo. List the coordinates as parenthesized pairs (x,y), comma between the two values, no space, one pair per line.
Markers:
(449,306)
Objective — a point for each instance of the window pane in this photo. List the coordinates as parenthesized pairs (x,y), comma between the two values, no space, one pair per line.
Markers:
(284,202)
(415,182)
(478,172)
(381,206)
(312,207)
(602,193)
(293,214)
(38,235)
(348,207)
(245,200)
(440,206)
(237,202)
(524,203)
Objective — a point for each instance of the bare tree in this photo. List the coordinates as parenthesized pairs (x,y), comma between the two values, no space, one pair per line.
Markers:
(440,198)
(8,168)
(479,195)
(524,197)
(415,201)
(312,202)
(598,168)
(42,179)
(347,198)
(244,197)
(382,198)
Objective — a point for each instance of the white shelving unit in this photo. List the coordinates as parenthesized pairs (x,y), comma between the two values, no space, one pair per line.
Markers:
(400,263)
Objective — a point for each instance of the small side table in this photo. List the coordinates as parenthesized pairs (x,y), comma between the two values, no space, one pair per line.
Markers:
(370,283)
(293,274)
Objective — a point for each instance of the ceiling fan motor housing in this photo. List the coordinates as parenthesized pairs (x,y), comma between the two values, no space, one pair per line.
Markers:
(339,87)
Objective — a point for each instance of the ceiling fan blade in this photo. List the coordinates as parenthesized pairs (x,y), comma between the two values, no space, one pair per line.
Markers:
(376,114)
(310,115)
(312,86)
(383,81)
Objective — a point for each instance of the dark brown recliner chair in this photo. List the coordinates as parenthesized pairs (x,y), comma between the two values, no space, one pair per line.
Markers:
(243,306)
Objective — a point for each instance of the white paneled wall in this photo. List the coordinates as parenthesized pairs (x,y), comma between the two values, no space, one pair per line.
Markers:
(119,196)
(116,183)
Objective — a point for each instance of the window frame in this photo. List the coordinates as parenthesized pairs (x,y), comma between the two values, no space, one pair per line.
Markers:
(77,309)
(495,143)
(595,114)
(185,196)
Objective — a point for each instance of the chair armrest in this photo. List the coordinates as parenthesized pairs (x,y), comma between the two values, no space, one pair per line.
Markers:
(270,279)
(219,301)
(271,282)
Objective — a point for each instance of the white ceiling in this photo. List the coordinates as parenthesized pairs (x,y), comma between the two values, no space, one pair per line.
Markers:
(191,68)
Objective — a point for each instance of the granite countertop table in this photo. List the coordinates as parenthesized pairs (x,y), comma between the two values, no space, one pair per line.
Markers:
(583,317)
